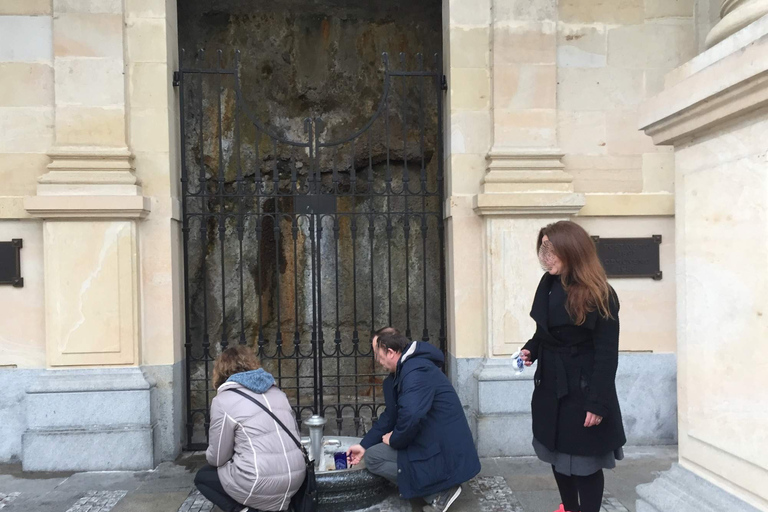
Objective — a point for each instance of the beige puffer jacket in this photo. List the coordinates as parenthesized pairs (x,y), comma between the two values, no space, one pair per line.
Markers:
(258,463)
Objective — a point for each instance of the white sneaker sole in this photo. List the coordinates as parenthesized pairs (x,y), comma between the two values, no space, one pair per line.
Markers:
(453,498)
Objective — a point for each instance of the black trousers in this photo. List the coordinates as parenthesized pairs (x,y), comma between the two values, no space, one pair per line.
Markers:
(208,483)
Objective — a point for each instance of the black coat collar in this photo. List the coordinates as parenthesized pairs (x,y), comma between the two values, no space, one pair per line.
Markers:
(540,308)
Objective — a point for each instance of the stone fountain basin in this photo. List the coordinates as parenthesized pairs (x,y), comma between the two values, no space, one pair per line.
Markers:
(348,489)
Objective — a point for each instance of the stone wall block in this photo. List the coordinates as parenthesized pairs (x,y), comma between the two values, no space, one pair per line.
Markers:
(88,6)
(147,40)
(467,172)
(470,89)
(581,46)
(19,173)
(525,86)
(149,84)
(31,7)
(600,88)
(659,171)
(90,82)
(470,132)
(531,43)
(91,293)
(90,126)
(469,48)
(150,8)
(26,85)
(150,130)
(582,132)
(88,35)
(614,181)
(25,39)
(526,128)
(527,10)
(462,13)
(669,8)
(154,170)
(618,12)
(623,137)
(26,130)
(651,45)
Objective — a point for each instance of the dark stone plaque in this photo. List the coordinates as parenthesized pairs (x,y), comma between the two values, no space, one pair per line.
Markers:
(10,263)
(319,204)
(630,257)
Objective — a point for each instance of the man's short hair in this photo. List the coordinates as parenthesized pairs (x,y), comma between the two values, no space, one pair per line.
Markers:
(385,330)
(396,342)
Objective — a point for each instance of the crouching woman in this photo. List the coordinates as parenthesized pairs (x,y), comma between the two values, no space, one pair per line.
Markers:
(252,462)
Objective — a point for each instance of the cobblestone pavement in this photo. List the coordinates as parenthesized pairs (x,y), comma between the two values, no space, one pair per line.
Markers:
(522,484)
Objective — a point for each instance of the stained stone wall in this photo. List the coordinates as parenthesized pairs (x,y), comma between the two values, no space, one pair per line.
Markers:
(251,273)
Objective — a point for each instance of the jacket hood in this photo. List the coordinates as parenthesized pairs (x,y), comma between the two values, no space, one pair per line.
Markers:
(258,381)
(424,351)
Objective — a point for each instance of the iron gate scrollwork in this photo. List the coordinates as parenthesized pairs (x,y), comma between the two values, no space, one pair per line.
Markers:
(301,243)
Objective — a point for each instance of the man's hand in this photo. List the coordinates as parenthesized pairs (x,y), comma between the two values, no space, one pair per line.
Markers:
(525,355)
(355,454)
(385,438)
(592,420)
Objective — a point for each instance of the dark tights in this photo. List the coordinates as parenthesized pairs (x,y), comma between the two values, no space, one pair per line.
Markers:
(581,493)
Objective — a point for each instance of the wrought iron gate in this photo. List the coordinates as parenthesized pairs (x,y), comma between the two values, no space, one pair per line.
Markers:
(301,244)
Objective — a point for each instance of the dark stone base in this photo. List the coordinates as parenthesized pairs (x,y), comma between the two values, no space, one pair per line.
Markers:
(350,489)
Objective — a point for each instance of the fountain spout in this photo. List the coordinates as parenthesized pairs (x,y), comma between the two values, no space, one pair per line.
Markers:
(316,424)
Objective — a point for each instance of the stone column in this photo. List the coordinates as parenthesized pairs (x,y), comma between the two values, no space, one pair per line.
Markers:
(713,113)
(525,187)
(91,203)
(735,15)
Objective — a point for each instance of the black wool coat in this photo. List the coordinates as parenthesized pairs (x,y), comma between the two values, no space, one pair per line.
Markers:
(576,374)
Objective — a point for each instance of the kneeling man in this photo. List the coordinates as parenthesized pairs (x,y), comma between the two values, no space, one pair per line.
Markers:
(422,441)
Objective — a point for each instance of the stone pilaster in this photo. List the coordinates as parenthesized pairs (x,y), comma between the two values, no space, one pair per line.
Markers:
(90,198)
(713,114)
(91,202)
(734,16)
(525,185)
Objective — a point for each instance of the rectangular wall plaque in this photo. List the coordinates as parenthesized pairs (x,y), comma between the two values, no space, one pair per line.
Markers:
(318,204)
(10,263)
(630,257)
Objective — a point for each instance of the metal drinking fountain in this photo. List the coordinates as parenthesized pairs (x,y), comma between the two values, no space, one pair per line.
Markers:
(316,424)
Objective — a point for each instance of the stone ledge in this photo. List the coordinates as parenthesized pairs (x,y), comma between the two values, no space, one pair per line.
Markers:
(721,50)
(680,490)
(88,207)
(12,207)
(72,415)
(106,449)
(732,86)
(529,203)
(629,205)
(107,379)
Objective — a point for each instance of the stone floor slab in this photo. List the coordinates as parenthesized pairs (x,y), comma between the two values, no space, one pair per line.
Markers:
(7,499)
(98,501)
(196,502)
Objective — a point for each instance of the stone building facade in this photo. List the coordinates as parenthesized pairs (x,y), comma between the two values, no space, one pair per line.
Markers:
(632,117)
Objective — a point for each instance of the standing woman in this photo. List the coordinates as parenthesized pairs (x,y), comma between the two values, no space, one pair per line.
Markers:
(577,424)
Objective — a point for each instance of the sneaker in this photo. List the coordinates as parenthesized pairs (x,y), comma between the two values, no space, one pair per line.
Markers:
(444,500)
(561,509)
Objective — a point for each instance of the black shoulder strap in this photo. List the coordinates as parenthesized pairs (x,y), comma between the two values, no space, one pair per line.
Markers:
(304,451)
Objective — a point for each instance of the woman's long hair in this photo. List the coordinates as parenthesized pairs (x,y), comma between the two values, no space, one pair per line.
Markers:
(234,360)
(582,276)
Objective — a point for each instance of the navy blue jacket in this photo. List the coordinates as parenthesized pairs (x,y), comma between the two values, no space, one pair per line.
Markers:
(435,450)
